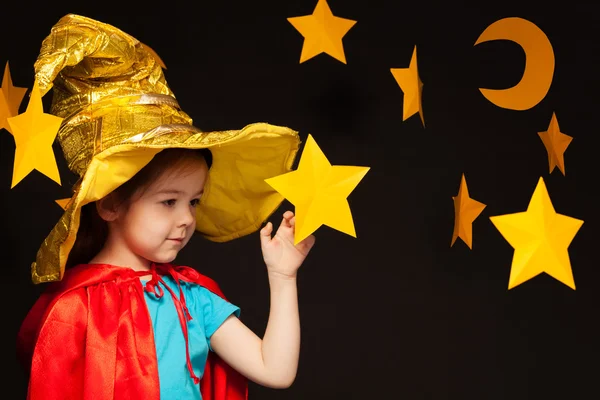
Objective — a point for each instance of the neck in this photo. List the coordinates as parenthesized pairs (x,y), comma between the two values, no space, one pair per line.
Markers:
(136,265)
(115,253)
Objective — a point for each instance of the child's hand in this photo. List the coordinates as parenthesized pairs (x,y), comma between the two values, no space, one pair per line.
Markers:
(279,252)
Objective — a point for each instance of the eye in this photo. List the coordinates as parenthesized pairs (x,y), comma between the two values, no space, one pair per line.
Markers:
(169,203)
(195,202)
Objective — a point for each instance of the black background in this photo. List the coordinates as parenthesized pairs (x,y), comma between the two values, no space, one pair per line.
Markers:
(396,312)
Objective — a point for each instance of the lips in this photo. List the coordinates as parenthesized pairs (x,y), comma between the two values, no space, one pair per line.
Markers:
(178,239)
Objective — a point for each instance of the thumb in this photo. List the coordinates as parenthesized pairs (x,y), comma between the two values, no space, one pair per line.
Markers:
(265,234)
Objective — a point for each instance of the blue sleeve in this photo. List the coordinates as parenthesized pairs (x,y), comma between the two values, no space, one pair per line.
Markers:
(215,311)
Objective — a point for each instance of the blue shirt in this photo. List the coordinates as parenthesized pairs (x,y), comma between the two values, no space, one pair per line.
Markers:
(208,312)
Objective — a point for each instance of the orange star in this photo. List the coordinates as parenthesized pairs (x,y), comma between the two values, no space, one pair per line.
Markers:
(410,83)
(63,203)
(556,143)
(323,32)
(34,132)
(10,99)
(466,210)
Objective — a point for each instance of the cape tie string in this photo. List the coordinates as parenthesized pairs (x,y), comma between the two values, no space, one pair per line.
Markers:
(153,286)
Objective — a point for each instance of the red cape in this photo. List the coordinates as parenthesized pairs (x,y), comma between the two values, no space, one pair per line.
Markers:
(90,336)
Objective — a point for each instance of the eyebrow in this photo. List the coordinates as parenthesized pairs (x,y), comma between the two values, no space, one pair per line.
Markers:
(174,191)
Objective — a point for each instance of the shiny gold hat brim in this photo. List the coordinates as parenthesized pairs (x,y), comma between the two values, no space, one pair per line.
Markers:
(236,199)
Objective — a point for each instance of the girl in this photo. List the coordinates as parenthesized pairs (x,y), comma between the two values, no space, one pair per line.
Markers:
(122,321)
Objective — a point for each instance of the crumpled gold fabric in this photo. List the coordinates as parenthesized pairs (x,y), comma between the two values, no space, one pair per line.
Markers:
(119,112)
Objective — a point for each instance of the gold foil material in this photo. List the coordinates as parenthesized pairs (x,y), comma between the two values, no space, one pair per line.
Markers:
(119,112)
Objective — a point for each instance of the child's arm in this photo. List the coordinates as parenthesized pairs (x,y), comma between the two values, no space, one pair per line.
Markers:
(272,361)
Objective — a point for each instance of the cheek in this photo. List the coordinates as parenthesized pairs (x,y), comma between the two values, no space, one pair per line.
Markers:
(157,227)
(192,226)
(147,227)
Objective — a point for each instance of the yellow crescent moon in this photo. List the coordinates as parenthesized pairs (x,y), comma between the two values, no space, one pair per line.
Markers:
(539,63)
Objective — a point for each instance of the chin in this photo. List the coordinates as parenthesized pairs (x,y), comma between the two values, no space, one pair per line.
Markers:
(163,260)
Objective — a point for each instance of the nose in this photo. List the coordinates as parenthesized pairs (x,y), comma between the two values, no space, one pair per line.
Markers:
(187,217)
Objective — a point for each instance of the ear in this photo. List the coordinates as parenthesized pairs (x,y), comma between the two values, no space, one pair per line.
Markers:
(107,208)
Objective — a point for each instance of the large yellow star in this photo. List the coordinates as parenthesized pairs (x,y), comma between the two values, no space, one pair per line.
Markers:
(323,32)
(319,192)
(409,81)
(540,238)
(34,132)
(10,99)
(556,143)
(466,210)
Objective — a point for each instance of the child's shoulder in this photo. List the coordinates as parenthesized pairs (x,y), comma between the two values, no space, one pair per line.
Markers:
(192,276)
(83,275)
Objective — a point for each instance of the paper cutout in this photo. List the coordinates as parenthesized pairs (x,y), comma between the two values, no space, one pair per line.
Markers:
(63,203)
(410,83)
(34,132)
(10,99)
(155,55)
(540,238)
(556,143)
(323,32)
(539,63)
(466,210)
(319,192)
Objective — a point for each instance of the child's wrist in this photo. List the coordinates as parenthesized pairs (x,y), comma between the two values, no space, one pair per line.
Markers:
(277,275)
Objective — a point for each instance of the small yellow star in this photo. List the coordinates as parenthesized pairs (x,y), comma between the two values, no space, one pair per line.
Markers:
(466,210)
(319,191)
(63,203)
(556,143)
(410,83)
(540,238)
(323,32)
(34,132)
(10,99)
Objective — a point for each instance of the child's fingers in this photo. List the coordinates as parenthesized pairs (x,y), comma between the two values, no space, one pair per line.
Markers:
(288,216)
(267,230)
(285,223)
(265,233)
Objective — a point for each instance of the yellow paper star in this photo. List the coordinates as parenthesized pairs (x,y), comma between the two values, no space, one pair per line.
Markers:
(540,238)
(410,83)
(466,210)
(323,32)
(34,132)
(319,192)
(10,99)
(556,143)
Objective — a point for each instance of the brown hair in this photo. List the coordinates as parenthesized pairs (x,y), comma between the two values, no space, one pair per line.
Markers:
(93,230)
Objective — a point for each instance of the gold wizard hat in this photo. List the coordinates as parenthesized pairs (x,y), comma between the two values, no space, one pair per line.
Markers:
(119,112)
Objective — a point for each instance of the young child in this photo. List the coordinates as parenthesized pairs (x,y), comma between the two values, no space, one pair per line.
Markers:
(120,320)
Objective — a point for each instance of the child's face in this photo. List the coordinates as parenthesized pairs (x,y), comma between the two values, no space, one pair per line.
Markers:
(157,225)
